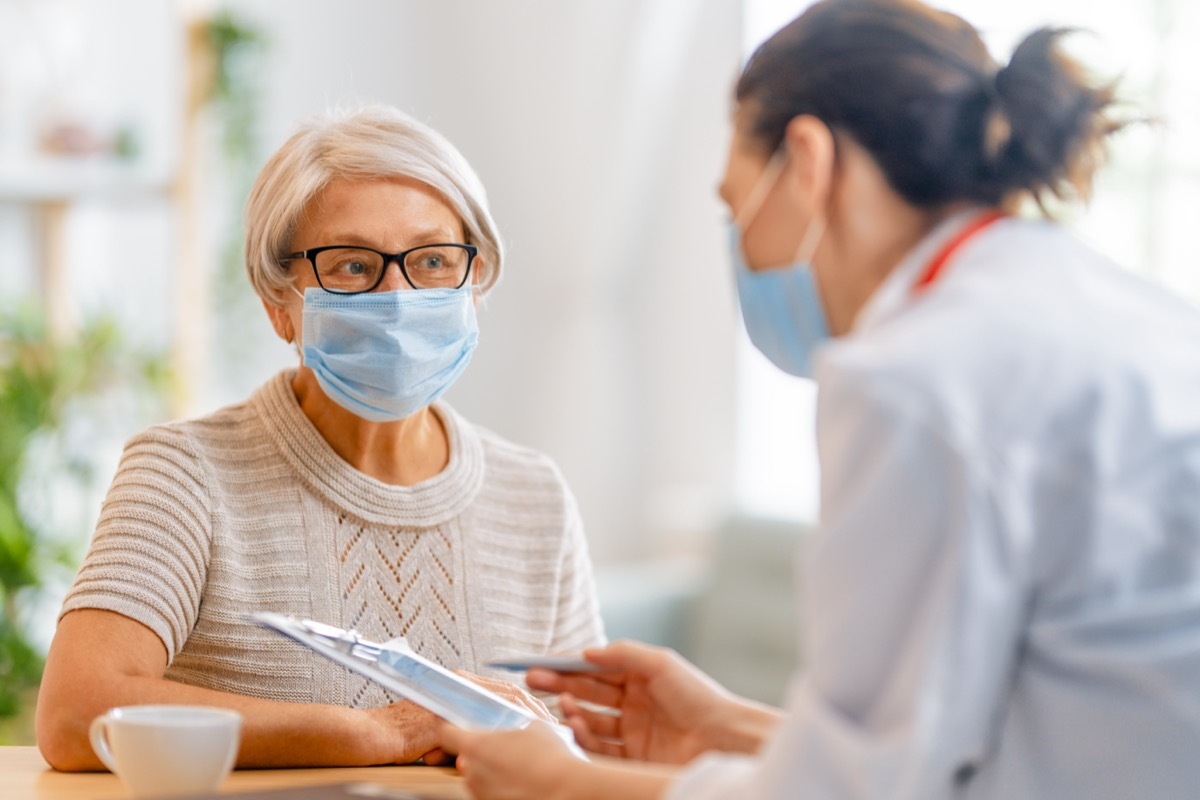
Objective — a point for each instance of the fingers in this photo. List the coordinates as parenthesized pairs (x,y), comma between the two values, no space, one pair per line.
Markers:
(623,660)
(591,742)
(628,656)
(453,739)
(437,757)
(539,708)
(593,688)
(512,693)
(596,732)
(534,705)
(544,680)
(607,726)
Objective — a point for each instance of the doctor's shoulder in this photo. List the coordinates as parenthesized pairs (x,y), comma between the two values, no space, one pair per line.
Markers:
(968,364)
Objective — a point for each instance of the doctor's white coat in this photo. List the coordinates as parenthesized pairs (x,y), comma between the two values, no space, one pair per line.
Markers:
(1003,591)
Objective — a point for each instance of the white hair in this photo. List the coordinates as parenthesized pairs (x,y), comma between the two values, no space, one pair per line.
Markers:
(371,142)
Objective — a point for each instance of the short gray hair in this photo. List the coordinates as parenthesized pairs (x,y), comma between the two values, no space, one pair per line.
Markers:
(371,142)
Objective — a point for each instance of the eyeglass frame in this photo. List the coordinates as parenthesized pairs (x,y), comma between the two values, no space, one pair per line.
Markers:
(310,255)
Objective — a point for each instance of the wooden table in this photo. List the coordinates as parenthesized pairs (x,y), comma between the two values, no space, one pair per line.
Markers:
(24,775)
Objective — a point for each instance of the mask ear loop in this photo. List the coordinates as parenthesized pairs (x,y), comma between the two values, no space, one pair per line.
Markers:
(811,241)
(758,195)
(293,342)
(477,292)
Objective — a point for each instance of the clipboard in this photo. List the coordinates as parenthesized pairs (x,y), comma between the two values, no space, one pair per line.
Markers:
(397,667)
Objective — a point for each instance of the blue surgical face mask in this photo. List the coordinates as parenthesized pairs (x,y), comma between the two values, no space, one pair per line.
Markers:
(781,306)
(781,310)
(386,355)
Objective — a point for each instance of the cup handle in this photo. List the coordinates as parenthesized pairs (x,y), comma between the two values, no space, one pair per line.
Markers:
(97,734)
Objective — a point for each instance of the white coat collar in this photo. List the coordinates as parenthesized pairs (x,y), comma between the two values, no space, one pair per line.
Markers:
(895,293)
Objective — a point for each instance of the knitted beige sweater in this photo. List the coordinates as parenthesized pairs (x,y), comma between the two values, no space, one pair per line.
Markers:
(250,509)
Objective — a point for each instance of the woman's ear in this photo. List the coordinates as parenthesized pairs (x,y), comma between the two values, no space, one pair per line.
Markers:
(812,153)
(477,292)
(281,320)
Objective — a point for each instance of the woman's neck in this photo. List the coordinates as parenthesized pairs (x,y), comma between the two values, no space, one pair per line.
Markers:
(401,453)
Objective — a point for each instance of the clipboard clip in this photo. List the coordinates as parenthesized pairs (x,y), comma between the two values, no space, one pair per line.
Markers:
(347,640)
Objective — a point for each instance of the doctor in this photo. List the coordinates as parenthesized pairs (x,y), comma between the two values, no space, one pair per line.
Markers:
(1004,587)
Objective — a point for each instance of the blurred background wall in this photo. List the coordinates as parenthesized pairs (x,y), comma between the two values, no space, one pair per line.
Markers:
(129,130)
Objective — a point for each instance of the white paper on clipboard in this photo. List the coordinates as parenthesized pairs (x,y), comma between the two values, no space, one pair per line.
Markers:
(397,667)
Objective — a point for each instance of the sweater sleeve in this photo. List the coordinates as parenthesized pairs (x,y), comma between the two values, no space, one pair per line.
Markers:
(148,558)
(577,618)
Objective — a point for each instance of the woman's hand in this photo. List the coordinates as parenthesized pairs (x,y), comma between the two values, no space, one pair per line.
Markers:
(405,732)
(662,707)
(510,692)
(513,694)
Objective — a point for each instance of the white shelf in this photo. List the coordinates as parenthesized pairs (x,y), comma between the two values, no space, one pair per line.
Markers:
(46,179)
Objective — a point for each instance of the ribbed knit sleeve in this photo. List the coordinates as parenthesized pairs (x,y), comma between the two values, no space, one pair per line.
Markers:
(149,556)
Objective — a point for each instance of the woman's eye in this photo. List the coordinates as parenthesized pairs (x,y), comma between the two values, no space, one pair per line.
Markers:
(354,267)
(432,262)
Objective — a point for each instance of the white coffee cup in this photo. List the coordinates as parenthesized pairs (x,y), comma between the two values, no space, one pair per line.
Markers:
(161,751)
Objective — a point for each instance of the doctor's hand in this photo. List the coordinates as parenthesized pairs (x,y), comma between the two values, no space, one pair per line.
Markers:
(658,707)
(534,764)
(529,763)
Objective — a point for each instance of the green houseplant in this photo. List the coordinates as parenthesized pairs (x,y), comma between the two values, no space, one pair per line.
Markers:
(42,380)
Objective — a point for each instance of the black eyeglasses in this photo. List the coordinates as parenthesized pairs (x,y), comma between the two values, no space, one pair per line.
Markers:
(346,269)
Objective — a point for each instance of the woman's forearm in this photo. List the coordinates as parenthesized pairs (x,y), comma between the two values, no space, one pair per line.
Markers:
(101,659)
(274,734)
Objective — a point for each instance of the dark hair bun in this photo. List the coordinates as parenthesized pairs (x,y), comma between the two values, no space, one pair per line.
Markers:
(1057,119)
(918,89)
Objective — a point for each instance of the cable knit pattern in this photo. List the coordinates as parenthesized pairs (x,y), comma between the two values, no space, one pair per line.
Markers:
(251,509)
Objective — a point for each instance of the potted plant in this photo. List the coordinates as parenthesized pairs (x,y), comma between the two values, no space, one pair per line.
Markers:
(42,382)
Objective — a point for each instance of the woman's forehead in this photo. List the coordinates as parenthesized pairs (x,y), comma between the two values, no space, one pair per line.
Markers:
(378,210)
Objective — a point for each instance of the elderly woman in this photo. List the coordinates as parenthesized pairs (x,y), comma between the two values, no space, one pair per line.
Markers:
(341,491)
